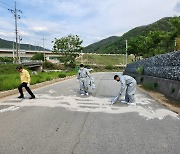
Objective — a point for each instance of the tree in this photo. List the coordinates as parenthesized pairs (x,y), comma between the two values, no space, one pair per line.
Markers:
(154,43)
(136,46)
(175,22)
(68,46)
(38,56)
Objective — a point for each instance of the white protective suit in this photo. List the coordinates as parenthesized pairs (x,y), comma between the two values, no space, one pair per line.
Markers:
(130,82)
(82,75)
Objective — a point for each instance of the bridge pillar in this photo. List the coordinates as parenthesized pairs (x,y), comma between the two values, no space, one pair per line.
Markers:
(36,68)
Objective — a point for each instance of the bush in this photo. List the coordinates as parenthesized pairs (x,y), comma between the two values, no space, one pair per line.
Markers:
(62,75)
(155,85)
(48,65)
(72,65)
(140,70)
(109,67)
(6,59)
(48,78)
(59,67)
(38,56)
(141,79)
(87,66)
(150,86)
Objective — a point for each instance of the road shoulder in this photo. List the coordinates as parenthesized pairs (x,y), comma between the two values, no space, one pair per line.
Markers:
(161,99)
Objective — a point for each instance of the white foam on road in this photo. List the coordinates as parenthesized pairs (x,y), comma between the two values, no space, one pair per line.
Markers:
(51,91)
(93,104)
(11,108)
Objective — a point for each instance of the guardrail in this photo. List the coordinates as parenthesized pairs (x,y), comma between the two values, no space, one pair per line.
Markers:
(25,62)
(31,61)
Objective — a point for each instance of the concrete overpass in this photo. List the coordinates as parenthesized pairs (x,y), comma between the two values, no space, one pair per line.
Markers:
(35,65)
(28,54)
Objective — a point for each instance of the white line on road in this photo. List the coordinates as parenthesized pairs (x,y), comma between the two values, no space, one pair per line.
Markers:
(11,108)
(143,105)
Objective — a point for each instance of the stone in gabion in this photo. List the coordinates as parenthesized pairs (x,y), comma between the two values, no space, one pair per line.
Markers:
(163,66)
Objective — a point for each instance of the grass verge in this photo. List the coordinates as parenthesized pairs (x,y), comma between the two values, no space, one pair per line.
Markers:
(12,80)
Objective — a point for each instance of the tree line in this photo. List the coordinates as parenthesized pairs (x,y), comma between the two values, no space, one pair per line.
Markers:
(155,42)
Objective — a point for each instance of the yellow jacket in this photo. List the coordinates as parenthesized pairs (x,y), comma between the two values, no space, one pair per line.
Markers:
(25,77)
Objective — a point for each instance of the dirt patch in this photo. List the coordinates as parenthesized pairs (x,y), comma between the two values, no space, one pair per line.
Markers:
(162,99)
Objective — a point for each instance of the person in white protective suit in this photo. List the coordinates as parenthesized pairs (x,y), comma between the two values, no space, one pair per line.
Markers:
(83,75)
(129,83)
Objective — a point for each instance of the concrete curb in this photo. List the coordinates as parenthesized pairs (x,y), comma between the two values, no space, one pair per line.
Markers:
(38,85)
(161,99)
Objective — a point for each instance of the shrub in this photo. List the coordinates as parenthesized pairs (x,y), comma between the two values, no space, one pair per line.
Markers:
(48,78)
(59,67)
(109,67)
(150,86)
(141,79)
(6,59)
(140,70)
(38,56)
(72,65)
(155,85)
(48,65)
(38,81)
(62,75)
(87,66)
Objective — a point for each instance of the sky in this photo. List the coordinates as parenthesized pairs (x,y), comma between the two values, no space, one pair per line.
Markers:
(91,20)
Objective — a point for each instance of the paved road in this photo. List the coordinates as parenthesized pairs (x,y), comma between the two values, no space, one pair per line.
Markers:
(60,121)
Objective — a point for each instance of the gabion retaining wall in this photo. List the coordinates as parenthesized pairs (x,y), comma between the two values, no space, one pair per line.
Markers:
(165,66)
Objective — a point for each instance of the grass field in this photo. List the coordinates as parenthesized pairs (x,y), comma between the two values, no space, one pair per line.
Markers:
(104,59)
(10,79)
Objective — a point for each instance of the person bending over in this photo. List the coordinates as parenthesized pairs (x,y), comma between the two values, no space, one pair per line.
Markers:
(129,83)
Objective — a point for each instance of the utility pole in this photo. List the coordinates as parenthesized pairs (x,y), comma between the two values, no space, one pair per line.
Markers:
(35,45)
(13,51)
(29,46)
(20,39)
(43,48)
(126,52)
(16,16)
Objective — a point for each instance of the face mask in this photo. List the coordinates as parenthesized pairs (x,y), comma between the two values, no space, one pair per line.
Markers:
(81,68)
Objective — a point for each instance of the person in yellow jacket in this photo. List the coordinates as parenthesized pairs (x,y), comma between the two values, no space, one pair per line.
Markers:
(25,82)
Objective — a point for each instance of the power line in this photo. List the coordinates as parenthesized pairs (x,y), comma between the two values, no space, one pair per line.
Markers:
(43,48)
(16,16)
(50,27)
(5,4)
(4,7)
(55,28)
(62,28)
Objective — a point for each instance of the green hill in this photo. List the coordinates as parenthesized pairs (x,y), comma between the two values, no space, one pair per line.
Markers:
(117,44)
(9,45)
(95,46)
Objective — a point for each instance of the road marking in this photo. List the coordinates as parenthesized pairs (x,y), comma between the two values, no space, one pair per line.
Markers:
(11,108)
(51,91)
(144,106)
